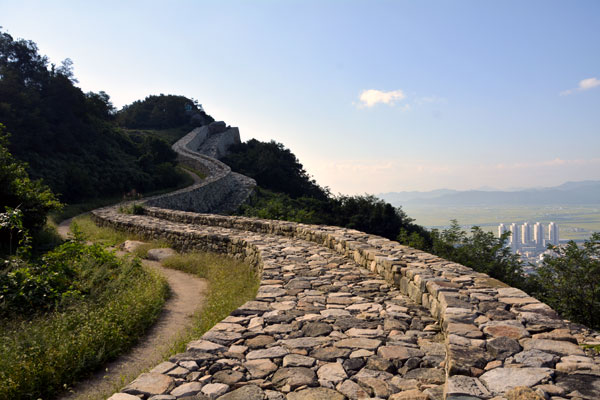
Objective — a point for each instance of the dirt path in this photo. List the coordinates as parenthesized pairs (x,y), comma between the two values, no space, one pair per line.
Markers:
(187,295)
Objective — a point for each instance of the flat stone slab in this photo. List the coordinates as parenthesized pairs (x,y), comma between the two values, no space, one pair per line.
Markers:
(123,396)
(500,380)
(316,394)
(552,346)
(160,254)
(460,385)
(150,384)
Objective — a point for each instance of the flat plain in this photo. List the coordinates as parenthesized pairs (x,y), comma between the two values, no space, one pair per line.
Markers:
(575,222)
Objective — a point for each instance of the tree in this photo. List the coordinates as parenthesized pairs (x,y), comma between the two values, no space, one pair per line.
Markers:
(32,199)
(161,112)
(274,167)
(569,281)
(481,251)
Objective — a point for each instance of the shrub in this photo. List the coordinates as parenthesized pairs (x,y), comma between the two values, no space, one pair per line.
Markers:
(77,308)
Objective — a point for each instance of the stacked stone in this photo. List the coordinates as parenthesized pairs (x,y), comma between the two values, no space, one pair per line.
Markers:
(497,338)
(221,190)
(320,326)
(219,139)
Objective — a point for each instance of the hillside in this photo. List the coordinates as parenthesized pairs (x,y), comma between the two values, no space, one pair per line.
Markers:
(71,139)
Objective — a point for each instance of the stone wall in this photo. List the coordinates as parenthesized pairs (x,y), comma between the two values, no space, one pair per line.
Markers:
(496,337)
(221,190)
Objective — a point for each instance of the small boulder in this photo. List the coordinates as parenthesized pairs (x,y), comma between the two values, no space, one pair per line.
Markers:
(160,254)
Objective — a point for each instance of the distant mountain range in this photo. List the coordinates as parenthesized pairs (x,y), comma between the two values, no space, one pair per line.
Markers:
(569,193)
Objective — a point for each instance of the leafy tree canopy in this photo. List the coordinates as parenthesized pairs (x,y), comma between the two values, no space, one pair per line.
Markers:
(68,137)
(274,167)
(569,281)
(162,112)
(31,198)
(482,251)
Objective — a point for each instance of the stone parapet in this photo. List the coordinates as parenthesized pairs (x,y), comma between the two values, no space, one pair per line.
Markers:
(496,338)
(221,190)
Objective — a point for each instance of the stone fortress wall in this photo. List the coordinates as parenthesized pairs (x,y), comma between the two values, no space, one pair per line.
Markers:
(353,286)
(221,190)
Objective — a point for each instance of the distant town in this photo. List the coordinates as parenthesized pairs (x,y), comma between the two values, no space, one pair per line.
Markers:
(531,241)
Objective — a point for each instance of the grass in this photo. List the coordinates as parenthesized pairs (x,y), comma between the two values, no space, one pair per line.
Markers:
(231,284)
(200,174)
(99,234)
(41,355)
(170,135)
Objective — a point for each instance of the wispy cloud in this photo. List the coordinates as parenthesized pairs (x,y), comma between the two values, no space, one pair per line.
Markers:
(585,84)
(372,97)
(430,99)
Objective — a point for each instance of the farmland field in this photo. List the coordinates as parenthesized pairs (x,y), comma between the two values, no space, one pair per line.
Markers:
(575,222)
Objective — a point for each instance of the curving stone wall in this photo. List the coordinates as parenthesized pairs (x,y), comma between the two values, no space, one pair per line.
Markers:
(495,337)
(222,190)
(344,314)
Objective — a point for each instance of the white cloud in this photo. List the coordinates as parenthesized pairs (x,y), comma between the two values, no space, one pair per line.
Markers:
(585,84)
(589,83)
(371,97)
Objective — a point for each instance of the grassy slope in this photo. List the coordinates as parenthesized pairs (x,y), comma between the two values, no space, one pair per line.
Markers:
(231,282)
(41,355)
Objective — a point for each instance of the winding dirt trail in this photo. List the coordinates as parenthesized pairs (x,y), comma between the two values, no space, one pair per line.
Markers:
(187,296)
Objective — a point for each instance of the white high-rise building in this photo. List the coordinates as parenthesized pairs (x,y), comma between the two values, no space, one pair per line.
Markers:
(514,237)
(538,235)
(553,233)
(525,234)
(501,229)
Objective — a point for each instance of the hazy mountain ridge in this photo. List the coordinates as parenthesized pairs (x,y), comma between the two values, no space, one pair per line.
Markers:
(569,193)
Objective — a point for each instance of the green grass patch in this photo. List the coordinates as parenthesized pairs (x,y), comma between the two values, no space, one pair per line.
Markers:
(142,250)
(98,234)
(132,208)
(231,284)
(200,174)
(170,135)
(97,312)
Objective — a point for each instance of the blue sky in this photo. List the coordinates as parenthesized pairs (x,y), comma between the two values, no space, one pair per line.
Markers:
(372,96)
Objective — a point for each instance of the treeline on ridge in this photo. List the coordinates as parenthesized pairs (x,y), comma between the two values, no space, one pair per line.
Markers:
(568,281)
(287,192)
(77,142)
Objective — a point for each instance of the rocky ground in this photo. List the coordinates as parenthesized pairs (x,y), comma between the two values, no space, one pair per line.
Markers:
(320,327)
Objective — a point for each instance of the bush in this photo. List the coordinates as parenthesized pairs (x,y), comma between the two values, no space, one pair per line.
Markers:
(479,250)
(83,305)
(569,281)
(32,199)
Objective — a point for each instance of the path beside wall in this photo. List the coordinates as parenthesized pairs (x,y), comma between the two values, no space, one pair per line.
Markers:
(341,313)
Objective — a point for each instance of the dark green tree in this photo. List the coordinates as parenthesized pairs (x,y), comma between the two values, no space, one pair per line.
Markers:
(569,281)
(69,138)
(161,112)
(479,250)
(274,167)
(31,198)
